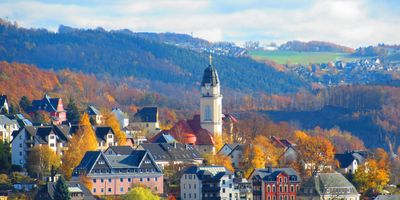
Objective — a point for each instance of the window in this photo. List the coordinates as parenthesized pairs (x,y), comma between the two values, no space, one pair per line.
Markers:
(184,195)
(268,188)
(129,180)
(141,179)
(148,179)
(109,189)
(291,188)
(223,190)
(190,195)
(20,145)
(102,180)
(208,113)
(121,179)
(121,189)
(51,144)
(285,179)
(109,180)
(102,190)
(109,136)
(223,182)
(94,180)
(194,186)
(190,186)
(280,188)
(285,188)
(280,180)
(52,137)
(195,195)
(94,190)
(20,153)
(155,179)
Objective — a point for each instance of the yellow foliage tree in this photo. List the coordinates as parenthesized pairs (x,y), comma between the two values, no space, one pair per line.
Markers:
(111,120)
(40,160)
(371,176)
(317,153)
(140,193)
(81,142)
(218,142)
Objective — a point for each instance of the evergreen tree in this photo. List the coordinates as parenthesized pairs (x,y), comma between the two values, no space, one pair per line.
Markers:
(72,111)
(5,156)
(61,190)
(25,103)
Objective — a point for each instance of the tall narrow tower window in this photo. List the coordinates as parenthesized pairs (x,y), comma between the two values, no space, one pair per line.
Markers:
(208,113)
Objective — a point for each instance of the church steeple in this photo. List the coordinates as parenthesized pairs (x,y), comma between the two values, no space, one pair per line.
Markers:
(211,100)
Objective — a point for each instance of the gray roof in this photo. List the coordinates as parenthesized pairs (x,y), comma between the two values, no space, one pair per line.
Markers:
(131,161)
(327,184)
(121,150)
(47,104)
(102,131)
(208,173)
(172,151)
(210,76)
(5,120)
(91,110)
(40,133)
(270,174)
(147,114)
(345,159)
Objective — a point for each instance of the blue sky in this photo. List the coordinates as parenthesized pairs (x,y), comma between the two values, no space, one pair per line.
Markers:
(349,22)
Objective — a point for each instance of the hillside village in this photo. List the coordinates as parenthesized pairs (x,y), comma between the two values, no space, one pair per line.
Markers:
(106,154)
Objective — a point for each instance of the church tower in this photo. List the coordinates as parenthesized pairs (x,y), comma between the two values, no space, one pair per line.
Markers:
(211,101)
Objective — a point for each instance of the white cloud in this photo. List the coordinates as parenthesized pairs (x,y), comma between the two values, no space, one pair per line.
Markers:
(348,22)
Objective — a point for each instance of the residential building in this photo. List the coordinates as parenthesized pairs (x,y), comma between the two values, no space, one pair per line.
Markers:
(288,149)
(4,108)
(211,101)
(119,150)
(147,119)
(7,127)
(235,152)
(349,161)
(94,114)
(115,174)
(55,137)
(105,137)
(53,106)
(208,183)
(275,183)
(165,154)
(76,189)
(122,117)
(327,186)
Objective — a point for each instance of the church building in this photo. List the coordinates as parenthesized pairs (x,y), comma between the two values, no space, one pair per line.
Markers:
(200,130)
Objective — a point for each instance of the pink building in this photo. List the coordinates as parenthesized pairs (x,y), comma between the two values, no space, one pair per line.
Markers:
(114,174)
(53,106)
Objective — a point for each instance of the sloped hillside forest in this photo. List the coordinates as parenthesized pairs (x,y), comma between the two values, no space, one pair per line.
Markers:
(130,70)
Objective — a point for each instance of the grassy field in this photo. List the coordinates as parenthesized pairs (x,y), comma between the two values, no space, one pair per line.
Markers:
(294,57)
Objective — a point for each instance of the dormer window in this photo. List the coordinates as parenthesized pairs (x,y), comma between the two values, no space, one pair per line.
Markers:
(101,162)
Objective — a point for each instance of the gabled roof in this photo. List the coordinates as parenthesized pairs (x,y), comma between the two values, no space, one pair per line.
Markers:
(5,120)
(270,174)
(347,158)
(47,104)
(327,184)
(120,150)
(162,137)
(41,133)
(130,161)
(282,143)
(171,151)
(3,100)
(91,110)
(102,131)
(147,114)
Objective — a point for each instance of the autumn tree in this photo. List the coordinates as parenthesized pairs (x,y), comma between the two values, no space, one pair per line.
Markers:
(5,156)
(41,159)
(315,153)
(81,142)
(140,193)
(371,177)
(112,121)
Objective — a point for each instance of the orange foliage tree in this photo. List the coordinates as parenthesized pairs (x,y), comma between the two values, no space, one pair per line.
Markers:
(81,142)
(111,120)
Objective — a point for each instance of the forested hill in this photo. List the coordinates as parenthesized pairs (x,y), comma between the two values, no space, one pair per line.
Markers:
(117,54)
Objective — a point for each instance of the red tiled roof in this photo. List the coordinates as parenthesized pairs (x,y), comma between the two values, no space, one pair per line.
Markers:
(190,132)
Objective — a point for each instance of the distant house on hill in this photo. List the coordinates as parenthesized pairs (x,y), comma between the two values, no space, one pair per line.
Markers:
(53,106)
(94,114)
(350,161)
(4,108)
(122,117)
(147,118)
(235,152)
(288,149)
(7,127)
(105,137)
(77,191)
